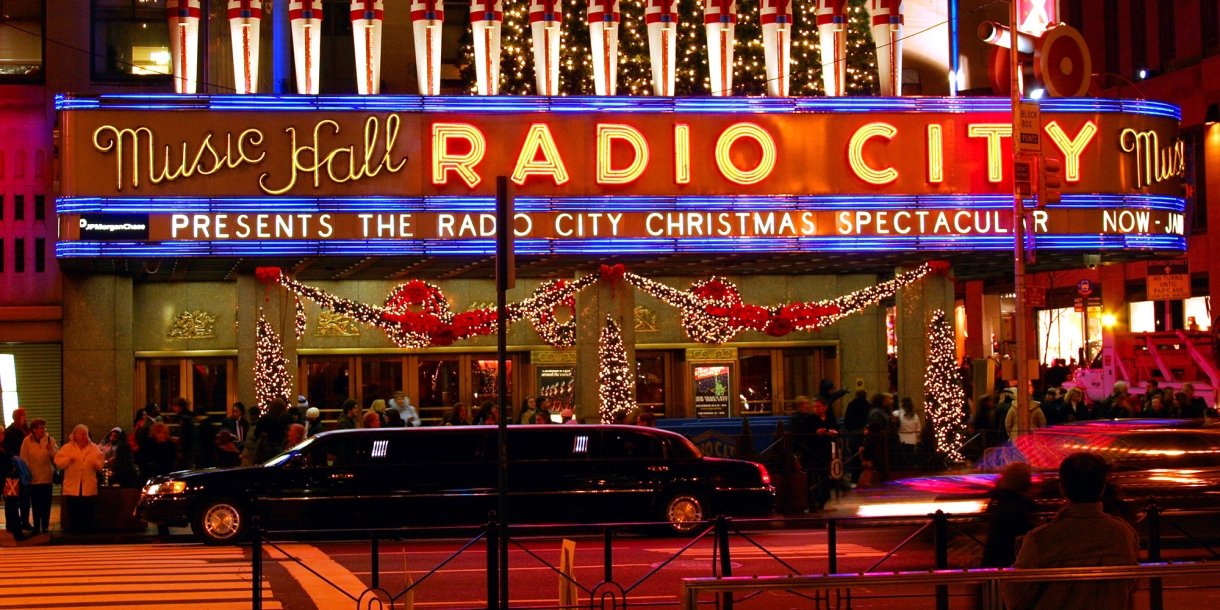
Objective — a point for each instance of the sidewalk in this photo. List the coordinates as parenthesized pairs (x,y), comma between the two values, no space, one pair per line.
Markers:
(58,536)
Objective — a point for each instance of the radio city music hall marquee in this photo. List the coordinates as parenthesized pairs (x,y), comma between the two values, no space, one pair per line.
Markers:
(255,175)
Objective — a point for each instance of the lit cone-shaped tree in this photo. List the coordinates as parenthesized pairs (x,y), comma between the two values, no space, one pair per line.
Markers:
(615,387)
(271,378)
(945,401)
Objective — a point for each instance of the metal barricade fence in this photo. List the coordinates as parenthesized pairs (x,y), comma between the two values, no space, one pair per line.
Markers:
(697,592)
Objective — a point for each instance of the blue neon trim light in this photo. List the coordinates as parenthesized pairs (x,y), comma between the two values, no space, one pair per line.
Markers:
(535,246)
(586,104)
(474,205)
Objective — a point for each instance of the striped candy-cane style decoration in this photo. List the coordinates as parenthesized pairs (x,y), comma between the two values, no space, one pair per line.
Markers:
(546,25)
(603,38)
(832,39)
(367,16)
(720,18)
(776,19)
(887,33)
(427,17)
(486,17)
(306,16)
(184,43)
(244,19)
(662,19)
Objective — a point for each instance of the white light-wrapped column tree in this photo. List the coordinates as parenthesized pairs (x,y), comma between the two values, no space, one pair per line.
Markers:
(661,17)
(603,17)
(184,43)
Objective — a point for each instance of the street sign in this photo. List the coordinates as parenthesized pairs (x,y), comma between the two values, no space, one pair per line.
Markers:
(1035,296)
(1084,287)
(1029,129)
(1022,177)
(1168,280)
(1093,302)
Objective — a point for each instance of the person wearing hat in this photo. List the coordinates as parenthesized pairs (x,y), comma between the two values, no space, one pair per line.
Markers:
(1008,397)
(402,404)
(567,416)
(313,422)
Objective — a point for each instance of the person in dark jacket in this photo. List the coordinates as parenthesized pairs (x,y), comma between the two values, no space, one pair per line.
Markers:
(1011,511)
(185,418)
(855,418)
(226,454)
(237,424)
(829,395)
(14,436)
(814,435)
(157,457)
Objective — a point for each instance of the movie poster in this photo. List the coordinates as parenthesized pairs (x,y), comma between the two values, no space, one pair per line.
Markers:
(559,384)
(712,390)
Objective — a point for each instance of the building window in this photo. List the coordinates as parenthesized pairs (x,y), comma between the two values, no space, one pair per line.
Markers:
(1209,26)
(21,32)
(19,255)
(40,207)
(1137,16)
(18,207)
(1110,16)
(1061,334)
(1166,31)
(130,39)
(40,254)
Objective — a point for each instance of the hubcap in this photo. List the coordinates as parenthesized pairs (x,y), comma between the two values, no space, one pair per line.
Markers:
(684,513)
(222,521)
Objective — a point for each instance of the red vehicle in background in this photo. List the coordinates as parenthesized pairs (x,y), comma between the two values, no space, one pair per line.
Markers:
(1171,358)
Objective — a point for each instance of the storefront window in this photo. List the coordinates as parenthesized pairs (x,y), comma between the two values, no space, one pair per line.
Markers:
(130,39)
(804,370)
(755,394)
(329,384)
(438,387)
(380,378)
(484,378)
(1061,334)
(650,380)
(210,387)
(1199,313)
(162,382)
(21,32)
(1196,314)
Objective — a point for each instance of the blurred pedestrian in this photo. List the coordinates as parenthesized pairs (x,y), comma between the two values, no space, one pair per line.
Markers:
(11,475)
(407,413)
(910,426)
(567,417)
(349,414)
(237,424)
(378,407)
(313,422)
(646,419)
(457,415)
(1200,407)
(81,460)
(226,453)
(185,418)
(296,434)
(157,458)
(529,408)
(1074,407)
(120,459)
(271,430)
(1011,512)
(37,451)
(1037,419)
(14,436)
(814,437)
(371,420)
(872,452)
(1080,535)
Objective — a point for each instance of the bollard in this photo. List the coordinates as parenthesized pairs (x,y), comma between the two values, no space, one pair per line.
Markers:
(726,564)
(940,535)
(832,546)
(608,557)
(1156,593)
(493,565)
(375,559)
(256,565)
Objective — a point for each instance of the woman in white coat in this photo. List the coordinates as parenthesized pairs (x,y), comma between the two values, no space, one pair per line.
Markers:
(37,451)
(80,460)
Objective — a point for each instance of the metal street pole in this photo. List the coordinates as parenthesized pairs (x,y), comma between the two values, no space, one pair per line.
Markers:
(1018,223)
(505,279)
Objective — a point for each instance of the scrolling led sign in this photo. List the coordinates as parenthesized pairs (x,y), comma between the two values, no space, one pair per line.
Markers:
(698,174)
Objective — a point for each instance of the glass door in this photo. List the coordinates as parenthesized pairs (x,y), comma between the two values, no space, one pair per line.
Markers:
(438,379)
(328,383)
(756,383)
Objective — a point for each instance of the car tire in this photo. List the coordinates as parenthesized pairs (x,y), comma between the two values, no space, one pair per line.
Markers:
(221,521)
(684,512)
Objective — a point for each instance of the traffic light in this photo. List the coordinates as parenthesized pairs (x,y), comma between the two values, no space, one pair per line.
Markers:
(1052,181)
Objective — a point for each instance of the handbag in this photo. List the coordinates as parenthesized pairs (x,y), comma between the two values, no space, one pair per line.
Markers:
(57,477)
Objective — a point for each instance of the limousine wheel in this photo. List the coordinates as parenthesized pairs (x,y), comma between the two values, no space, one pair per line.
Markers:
(221,521)
(684,512)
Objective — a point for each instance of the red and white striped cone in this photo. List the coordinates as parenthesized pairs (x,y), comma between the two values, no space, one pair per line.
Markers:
(367,16)
(546,26)
(604,18)
(427,17)
(720,20)
(184,43)
(776,19)
(887,34)
(662,19)
(486,17)
(244,19)
(832,41)
(306,17)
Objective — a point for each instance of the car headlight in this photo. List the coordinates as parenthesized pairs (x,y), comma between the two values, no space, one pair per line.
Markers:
(166,488)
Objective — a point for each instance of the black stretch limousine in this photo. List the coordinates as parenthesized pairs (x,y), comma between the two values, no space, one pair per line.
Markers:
(441,476)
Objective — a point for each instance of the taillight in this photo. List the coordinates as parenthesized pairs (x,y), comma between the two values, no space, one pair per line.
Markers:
(762,472)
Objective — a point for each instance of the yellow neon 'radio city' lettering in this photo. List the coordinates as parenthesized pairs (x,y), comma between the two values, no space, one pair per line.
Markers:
(855,153)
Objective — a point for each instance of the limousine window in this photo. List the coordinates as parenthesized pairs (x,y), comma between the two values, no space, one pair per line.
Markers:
(429,447)
(621,445)
(532,445)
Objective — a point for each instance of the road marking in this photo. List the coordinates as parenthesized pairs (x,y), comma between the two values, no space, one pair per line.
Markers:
(323,594)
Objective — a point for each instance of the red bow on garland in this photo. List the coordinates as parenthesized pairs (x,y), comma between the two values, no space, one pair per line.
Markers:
(612,274)
(268,276)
